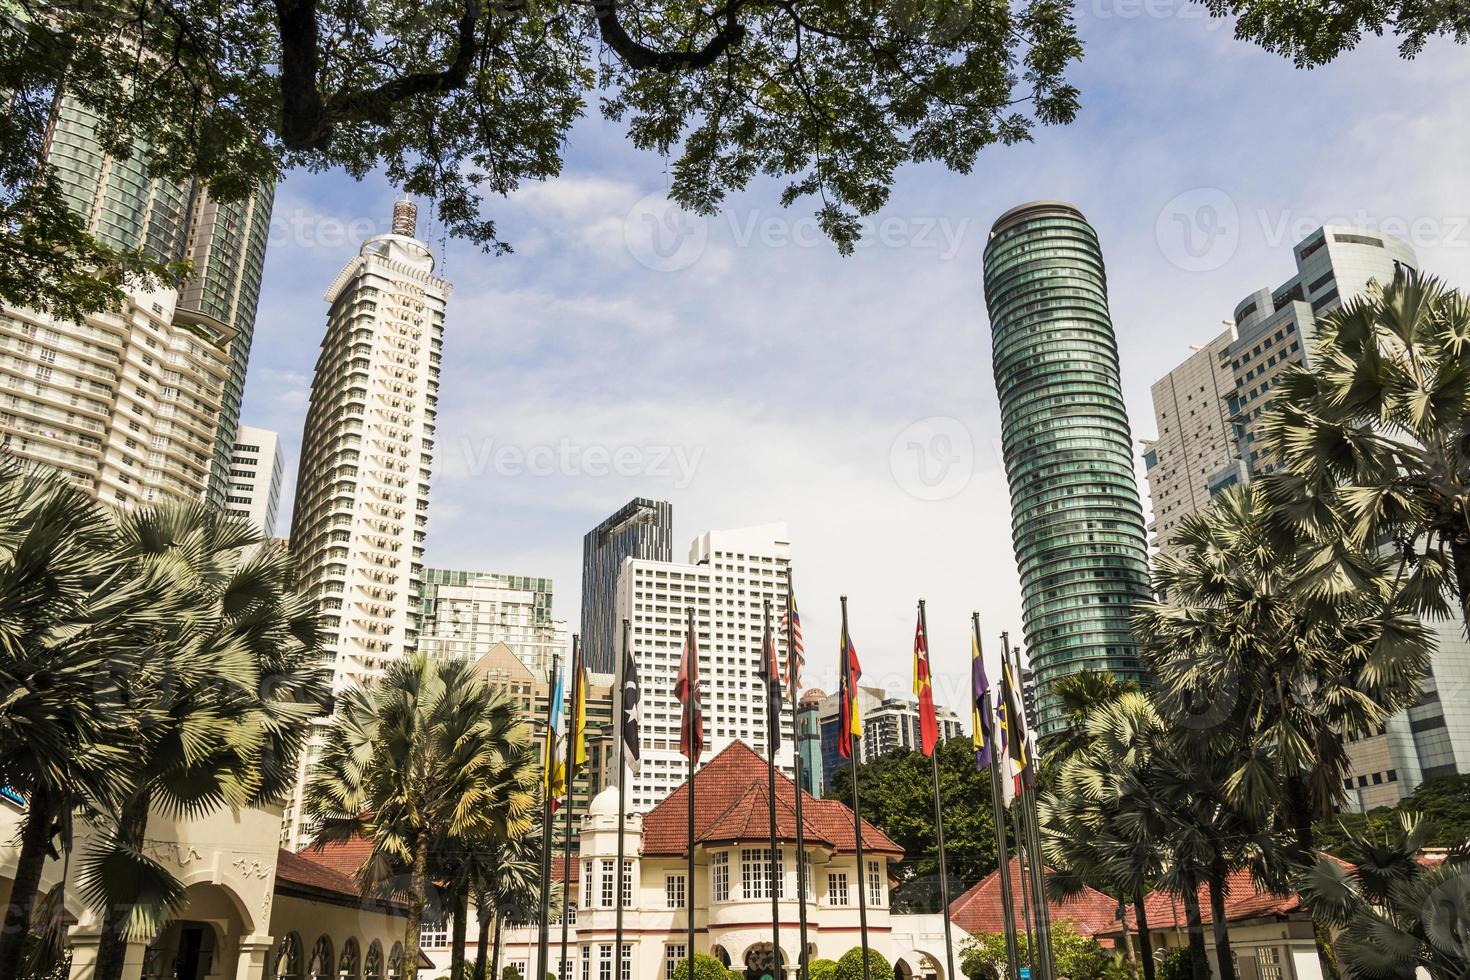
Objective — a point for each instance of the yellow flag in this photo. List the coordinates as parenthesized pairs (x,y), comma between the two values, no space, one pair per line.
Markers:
(579,720)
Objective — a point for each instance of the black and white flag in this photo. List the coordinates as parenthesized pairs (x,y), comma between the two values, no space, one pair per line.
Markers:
(631,696)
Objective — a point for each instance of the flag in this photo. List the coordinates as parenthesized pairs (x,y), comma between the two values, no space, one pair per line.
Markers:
(770,672)
(981,717)
(795,653)
(924,688)
(849,717)
(555,782)
(1014,738)
(632,752)
(579,718)
(686,689)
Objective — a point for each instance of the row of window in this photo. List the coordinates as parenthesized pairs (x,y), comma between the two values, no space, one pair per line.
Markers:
(755,881)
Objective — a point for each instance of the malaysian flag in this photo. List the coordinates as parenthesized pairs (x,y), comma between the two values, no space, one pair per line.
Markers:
(795,658)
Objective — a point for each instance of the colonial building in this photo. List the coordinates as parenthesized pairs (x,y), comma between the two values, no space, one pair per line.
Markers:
(251,910)
(728,896)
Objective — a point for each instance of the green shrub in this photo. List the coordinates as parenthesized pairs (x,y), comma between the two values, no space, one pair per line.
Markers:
(1176,965)
(850,967)
(705,968)
(510,973)
(821,969)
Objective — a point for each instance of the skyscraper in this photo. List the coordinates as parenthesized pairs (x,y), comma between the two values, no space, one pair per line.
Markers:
(727,580)
(463,615)
(139,404)
(641,528)
(362,495)
(1076,519)
(367,451)
(254,490)
(1208,409)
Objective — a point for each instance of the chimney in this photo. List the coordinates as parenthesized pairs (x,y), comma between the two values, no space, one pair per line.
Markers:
(405,218)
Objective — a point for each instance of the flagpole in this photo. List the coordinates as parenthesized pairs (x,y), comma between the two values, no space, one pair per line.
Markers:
(566,844)
(773,730)
(939,824)
(796,736)
(1003,855)
(694,751)
(1031,820)
(623,808)
(1022,844)
(857,807)
(544,937)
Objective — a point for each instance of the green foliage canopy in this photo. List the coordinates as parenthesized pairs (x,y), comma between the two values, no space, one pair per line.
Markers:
(850,966)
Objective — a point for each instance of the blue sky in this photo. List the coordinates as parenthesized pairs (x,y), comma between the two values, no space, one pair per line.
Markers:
(740,368)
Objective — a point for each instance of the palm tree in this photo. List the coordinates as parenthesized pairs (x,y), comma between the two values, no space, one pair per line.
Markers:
(1278,650)
(506,882)
(1375,438)
(1079,695)
(411,760)
(1135,809)
(245,682)
(1395,914)
(75,675)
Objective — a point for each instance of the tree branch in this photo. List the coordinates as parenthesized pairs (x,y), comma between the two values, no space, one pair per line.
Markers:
(641,57)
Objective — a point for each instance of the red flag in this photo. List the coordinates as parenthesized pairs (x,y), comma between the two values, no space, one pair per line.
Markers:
(686,689)
(924,688)
(850,719)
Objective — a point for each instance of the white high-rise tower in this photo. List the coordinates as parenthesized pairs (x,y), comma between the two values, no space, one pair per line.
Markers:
(362,494)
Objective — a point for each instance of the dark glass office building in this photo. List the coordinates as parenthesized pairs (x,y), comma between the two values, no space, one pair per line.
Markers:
(642,528)
(1076,520)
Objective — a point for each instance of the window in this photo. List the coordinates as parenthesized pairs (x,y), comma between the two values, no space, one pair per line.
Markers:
(434,933)
(586,884)
(627,884)
(673,955)
(586,963)
(720,869)
(604,961)
(875,883)
(674,891)
(837,889)
(626,973)
(755,870)
(606,876)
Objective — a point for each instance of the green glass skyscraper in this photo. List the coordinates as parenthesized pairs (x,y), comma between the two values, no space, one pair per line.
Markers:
(1076,520)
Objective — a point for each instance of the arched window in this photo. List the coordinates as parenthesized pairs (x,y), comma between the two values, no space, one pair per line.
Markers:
(288,958)
(395,962)
(351,962)
(373,969)
(319,967)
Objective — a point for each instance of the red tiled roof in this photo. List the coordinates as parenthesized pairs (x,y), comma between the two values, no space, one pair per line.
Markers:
(980,909)
(301,872)
(345,857)
(731,804)
(1242,901)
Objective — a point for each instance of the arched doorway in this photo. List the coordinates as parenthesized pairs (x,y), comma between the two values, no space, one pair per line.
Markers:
(290,958)
(902,970)
(760,964)
(373,968)
(720,953)
(349,967)
(184,950)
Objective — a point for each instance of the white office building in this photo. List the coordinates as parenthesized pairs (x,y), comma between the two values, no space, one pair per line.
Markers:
(463,615)
(254,489)
(362,495)
(728,579)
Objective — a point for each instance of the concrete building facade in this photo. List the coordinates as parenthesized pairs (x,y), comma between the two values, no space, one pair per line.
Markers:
(727,580)
(463,614)
(256,466)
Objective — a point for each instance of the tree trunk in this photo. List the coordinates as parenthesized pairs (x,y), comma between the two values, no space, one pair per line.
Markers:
(418,886)
(1199,957)
(1128,954)
(461,900)
(482,939)
(1300,816)
(1145,941)
(1221,925)
(35,839)
(112,946)
(495,947)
